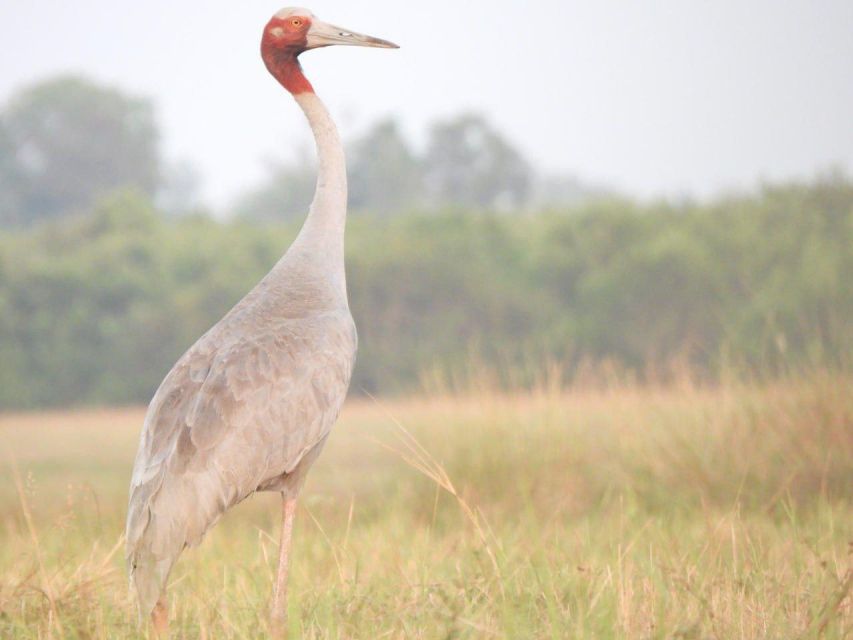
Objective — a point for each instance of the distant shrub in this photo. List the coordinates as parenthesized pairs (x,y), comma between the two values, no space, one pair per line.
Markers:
(95,309)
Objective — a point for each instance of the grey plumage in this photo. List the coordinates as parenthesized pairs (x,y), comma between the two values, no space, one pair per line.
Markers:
(249,406)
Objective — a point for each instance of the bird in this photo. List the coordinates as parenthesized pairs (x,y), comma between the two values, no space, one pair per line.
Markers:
(250,405)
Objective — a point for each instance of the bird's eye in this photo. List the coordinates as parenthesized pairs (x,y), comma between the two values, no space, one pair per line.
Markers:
(296,22)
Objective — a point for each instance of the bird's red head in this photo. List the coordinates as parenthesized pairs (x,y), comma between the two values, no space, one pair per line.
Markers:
(293,31)
(285,37)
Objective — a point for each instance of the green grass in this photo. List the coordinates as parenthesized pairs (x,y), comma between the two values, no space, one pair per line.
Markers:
(619,513)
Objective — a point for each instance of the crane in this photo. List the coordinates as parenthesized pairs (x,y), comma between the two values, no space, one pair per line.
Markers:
(250,405)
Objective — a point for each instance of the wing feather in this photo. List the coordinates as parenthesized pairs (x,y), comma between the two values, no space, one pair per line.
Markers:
(229,419)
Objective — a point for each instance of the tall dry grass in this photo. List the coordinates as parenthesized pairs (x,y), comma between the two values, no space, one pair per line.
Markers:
(592,512)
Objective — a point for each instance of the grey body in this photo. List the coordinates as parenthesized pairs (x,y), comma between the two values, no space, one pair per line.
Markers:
(249,406)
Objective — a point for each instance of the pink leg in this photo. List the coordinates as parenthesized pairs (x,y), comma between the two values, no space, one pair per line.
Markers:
(279,601)
(160,618)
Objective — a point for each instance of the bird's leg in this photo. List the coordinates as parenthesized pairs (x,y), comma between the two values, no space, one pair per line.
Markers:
(279,601)
(160,617)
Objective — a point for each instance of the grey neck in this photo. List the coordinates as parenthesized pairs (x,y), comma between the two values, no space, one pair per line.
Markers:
(318,250)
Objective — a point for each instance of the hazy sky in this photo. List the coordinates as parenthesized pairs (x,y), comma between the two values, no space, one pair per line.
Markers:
(657,97)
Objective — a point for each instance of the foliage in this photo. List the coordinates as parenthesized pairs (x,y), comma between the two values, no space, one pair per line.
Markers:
(284,196)
(385,174)
(467,164)
(97,308)
(630,512)
(66,141)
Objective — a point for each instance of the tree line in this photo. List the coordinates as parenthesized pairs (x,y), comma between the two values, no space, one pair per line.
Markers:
(67,141)
(460,259)
(95,308)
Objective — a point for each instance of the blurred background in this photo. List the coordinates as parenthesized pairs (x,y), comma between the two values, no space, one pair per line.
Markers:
(593,189)
(600,257)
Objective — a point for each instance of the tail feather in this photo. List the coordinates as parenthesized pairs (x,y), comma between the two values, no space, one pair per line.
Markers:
(148,577)
(165,516)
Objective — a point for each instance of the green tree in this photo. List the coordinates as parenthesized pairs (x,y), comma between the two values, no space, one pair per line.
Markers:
(468,163)
(284,195)
(385,176)
(95,308)
(66,141)
(11,212)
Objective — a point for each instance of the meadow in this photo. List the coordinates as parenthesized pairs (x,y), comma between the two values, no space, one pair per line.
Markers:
(607,511)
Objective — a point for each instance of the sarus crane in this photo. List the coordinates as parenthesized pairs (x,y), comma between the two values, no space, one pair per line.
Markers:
(250,405)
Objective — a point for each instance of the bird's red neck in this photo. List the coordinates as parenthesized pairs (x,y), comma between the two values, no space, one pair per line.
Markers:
(285,67)
(280,51)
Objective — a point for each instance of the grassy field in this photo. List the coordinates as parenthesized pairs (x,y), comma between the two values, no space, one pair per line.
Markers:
(677,512)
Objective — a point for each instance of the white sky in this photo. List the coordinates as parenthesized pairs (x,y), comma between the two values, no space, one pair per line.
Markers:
(662,97)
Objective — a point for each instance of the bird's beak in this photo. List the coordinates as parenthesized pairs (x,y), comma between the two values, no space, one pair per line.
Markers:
(322,34)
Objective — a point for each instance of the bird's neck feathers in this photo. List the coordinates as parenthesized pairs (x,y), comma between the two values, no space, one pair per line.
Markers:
(317,254)
(318,251)
(329,207)
(284,65)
